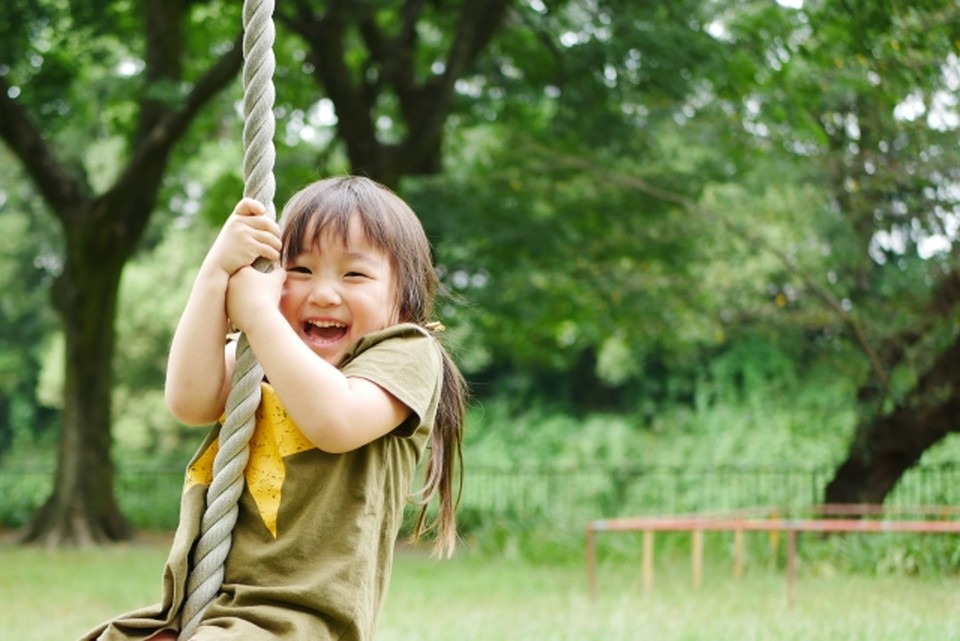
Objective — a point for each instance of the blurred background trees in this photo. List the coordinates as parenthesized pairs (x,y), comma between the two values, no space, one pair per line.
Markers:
(641,209)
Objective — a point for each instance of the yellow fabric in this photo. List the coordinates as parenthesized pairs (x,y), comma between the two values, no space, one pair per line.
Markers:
(275,437)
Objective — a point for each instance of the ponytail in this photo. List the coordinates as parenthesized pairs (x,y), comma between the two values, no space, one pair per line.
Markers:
(445,463)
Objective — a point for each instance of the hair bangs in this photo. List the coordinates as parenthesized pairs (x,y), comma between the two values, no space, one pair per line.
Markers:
(326,209)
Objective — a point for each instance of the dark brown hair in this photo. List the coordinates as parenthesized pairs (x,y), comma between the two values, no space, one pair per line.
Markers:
(390,225)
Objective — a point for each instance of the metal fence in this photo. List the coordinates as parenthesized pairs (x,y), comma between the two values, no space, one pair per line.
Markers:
(562,496)
(565,495)
(573,496)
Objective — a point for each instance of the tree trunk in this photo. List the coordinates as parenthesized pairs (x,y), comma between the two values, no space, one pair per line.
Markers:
(102,232)
(83,510)
(887,445)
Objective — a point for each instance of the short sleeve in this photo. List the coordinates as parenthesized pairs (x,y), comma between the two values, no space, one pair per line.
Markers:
(405,361)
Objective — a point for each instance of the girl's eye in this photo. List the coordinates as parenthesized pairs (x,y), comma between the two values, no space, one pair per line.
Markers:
(297,269)
(355,275)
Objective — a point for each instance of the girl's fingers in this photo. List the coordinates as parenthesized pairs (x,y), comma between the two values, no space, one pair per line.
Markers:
(258,222)
(270,236)
(249,207)
(269,244)
(246,236)
(270,252)
(259,228)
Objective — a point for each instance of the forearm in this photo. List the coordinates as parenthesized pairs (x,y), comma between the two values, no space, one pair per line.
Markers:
(309,386)
(196,381)
(334,412)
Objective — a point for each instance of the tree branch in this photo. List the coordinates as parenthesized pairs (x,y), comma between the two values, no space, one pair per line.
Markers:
(324,35)
(61,190)
(160,138)
(425,107)
(395,56)
(163,29)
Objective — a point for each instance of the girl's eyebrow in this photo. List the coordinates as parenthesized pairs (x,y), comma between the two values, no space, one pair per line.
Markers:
(361,255)
(293,257)
(350,254)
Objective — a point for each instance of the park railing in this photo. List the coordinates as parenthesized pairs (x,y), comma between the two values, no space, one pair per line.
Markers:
(571,496)
(560,496)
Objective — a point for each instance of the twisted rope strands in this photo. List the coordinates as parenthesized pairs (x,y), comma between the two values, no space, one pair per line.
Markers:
(220,516)
(258,98)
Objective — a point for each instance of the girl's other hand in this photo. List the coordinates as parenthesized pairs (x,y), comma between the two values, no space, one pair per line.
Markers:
(252,294)
(246,236)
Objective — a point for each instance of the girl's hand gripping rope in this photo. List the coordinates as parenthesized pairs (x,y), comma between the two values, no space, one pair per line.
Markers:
(246,236)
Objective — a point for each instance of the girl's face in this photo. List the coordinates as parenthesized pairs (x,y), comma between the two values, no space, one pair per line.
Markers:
(337,292)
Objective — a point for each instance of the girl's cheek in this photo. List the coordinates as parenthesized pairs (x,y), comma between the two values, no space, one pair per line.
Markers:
(288,303)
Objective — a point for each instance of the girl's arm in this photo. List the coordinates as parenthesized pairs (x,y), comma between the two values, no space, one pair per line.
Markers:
(199,365)
(336,413)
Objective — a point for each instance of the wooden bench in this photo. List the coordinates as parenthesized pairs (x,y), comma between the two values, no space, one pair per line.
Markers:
(828,518)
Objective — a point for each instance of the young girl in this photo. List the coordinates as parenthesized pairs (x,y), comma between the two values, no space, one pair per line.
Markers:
(356,388)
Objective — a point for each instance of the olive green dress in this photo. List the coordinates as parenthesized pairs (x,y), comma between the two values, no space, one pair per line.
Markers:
(312,549)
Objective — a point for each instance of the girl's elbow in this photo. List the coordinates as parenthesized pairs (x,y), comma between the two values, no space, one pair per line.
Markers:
(332,445)
(331,441)
(185,411)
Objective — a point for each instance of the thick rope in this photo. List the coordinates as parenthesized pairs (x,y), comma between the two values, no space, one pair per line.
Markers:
(220,516)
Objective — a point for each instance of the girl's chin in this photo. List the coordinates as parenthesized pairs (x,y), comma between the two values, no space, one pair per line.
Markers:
(331,352)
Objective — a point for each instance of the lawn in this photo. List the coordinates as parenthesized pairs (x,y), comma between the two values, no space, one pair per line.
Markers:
(57,595)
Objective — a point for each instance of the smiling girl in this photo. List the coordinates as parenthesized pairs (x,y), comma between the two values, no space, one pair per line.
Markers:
(356,388)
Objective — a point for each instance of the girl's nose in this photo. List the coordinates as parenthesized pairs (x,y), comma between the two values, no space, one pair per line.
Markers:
(324,294)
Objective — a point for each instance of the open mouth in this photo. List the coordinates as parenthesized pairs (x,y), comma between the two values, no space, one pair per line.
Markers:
(325,331)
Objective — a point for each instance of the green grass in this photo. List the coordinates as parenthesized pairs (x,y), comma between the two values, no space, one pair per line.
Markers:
(58,595)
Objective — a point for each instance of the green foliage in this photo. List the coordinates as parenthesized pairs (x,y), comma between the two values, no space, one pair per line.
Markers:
(752,406)
(23,490)
(153,292)
(662,224)
(29,251)
(49,390)
(834,89)
(881,555)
